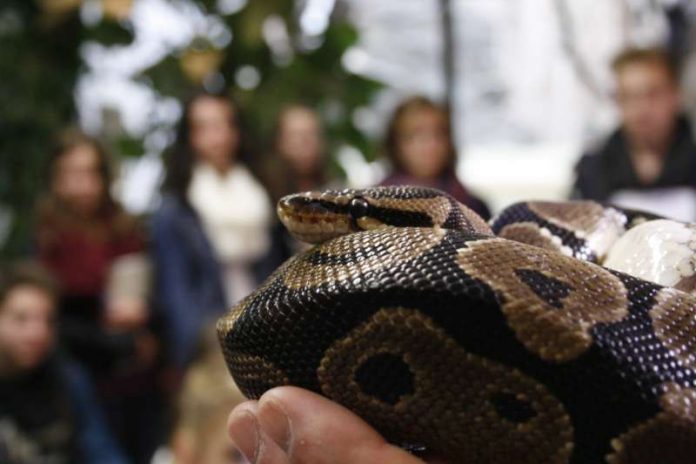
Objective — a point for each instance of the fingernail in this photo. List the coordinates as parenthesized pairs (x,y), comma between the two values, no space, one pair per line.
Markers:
(244,430)
(276,423)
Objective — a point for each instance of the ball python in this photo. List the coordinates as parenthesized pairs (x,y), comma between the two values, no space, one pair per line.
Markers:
(440,334)
(635,242)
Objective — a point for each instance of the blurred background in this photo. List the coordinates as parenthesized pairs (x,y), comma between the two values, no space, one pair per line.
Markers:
(143,144)
(528,81)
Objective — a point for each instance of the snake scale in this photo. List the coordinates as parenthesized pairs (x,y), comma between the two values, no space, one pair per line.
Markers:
(412,313)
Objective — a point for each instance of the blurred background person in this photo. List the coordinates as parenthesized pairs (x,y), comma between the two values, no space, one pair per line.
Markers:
(297,163)
(419,147)
(298,159)
(48,411)
(211,234)
(207,396)
(649,161)
(85,239)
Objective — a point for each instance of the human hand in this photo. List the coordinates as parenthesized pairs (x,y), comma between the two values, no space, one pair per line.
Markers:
(289,425)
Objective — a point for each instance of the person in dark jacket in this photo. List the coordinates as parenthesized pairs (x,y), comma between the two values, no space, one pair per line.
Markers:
(211,234)
(419,147)
(189,284)
(649,162)
(48,410)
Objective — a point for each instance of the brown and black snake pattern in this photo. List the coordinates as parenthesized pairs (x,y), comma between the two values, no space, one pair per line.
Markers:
(480,348)
(583,229)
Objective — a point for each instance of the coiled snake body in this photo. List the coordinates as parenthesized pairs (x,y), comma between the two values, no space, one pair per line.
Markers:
(486,350)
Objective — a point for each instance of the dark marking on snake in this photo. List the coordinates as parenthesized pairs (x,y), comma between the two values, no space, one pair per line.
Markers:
(318,257)
(521,212)
(512,407)
(385,376)
(403,219)
(548,288)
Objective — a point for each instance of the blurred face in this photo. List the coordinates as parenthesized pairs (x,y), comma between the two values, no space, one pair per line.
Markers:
(300,140)
(213,134)
(217,448)
(77,180)
(26,327)
(648,101)
(423,143)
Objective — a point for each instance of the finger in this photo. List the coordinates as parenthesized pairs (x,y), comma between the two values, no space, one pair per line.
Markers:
(314,430)
(275,421)
(243,430)
(250,439)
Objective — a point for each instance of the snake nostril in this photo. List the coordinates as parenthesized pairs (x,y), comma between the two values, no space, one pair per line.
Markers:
(293,202)
(513,408)
(385,376)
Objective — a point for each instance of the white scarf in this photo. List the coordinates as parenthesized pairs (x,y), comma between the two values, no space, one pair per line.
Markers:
(236,214)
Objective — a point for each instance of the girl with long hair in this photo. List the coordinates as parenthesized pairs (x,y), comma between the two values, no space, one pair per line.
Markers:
(419,147)
(97,253)
(211,233)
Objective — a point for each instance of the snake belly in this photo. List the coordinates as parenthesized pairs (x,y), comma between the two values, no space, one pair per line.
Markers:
(482,349)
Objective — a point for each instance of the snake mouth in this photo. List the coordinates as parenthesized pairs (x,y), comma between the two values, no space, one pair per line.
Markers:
(313,220)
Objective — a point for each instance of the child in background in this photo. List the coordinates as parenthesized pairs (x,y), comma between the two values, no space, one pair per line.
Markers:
(207,397)
(297,163)
(87,241)
(48,412)
(298,160)
(419,146)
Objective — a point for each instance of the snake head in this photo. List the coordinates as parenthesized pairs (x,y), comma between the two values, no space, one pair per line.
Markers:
(315,217)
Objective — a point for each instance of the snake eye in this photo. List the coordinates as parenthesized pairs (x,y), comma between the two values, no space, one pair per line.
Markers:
(358,208)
